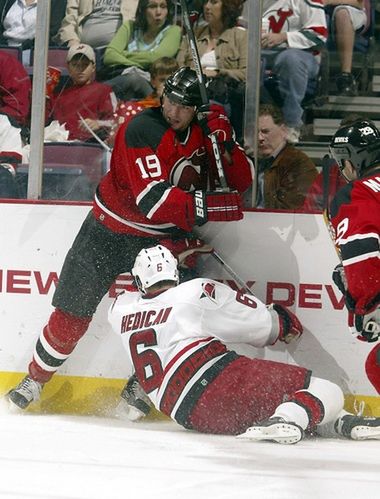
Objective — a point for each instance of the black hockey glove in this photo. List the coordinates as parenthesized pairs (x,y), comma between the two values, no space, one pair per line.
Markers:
(365,327)
(339,278)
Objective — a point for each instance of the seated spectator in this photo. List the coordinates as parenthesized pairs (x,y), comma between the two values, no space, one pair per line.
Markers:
(83,103)
(297,31)
(139,43)
(222,47)
(285,173)
(159,71)
(15,89)
(346,18)
(18,21)
(94,22)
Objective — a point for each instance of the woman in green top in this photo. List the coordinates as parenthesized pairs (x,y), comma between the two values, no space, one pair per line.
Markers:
(139,43)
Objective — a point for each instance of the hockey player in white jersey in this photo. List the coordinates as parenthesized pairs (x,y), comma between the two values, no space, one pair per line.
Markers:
(176,336)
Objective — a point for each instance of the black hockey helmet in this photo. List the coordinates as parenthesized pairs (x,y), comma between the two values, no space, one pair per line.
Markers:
(358,143)
(183,87)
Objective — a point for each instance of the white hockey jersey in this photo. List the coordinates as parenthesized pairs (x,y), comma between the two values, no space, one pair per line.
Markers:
(303,20)
(176,340)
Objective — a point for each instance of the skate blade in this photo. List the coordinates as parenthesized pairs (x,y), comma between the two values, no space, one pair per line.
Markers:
(365,433)
(280,433)
(8,407)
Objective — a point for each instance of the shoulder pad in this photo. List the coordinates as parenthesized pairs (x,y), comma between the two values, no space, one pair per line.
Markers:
(146,129)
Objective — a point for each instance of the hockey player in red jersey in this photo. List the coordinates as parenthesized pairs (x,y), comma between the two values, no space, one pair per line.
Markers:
(355,223)
(177,337)
(162,182)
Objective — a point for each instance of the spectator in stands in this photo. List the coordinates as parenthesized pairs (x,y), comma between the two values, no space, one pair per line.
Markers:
(285,173)
(139,43)
(84,103)
(346,18)
(297,31)
(18,21)
(94,22)
(222,47)
(15,90)
(159,71)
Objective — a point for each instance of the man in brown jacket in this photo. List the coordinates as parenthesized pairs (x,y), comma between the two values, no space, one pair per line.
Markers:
(285,173)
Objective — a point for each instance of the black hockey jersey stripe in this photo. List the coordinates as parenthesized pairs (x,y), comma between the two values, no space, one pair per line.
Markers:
(138,134)
(183,413)
(359,248)
(153,197)
(46,358)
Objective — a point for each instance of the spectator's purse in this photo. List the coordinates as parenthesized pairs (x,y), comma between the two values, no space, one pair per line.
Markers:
(223,89)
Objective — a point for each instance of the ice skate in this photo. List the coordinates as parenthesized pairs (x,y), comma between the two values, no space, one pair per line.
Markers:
(274,430)
(26,391)
(134,403)
(358,427)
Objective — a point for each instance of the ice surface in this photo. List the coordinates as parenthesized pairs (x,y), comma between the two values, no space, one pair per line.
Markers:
(74,457)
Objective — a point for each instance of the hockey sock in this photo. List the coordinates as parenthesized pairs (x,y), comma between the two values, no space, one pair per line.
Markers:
(56,342)
(319,404)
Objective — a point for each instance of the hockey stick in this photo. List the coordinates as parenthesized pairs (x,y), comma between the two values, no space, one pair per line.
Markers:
(96,137)
(232,273)
(202,86)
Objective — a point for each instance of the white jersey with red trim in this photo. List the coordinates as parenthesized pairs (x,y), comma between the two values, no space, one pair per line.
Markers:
(176,340)
(303,20)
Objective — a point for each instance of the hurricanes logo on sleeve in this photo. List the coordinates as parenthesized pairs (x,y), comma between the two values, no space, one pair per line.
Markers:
(208,291)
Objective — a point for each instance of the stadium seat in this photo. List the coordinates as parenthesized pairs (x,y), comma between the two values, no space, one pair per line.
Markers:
(56,57)
(15,51)
(72,170)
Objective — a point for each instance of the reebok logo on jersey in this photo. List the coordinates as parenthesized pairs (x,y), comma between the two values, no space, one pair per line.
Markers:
(208,291)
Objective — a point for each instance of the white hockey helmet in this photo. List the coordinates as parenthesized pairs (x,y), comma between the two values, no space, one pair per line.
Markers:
(153,265)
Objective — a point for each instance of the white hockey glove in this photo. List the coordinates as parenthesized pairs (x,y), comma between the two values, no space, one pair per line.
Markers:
(365,327)
(135,403)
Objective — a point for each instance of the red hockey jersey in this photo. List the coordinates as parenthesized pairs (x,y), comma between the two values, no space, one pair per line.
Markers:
(142,194)
(355,219)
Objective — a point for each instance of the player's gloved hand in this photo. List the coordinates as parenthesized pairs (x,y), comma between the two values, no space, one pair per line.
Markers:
(186,250)
(339,278)
(217,207)
(365,327)
(134,404)
(213,120)
(290,327)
